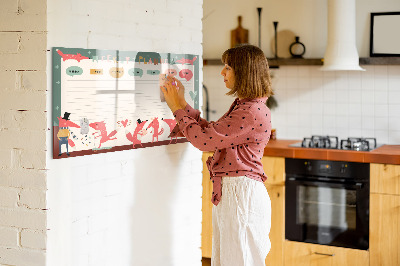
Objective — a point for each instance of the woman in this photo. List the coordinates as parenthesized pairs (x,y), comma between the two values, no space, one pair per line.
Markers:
(242,207)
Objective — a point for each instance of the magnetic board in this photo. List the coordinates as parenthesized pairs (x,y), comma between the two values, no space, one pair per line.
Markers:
(110,100)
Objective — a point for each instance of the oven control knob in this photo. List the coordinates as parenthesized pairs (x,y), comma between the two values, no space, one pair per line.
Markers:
(343,168)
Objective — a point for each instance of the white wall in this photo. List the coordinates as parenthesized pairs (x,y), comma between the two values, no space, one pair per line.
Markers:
(23,132)
(311,102)
(304,18)
(136,207)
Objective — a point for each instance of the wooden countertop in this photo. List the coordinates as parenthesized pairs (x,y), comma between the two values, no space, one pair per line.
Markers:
(389,154)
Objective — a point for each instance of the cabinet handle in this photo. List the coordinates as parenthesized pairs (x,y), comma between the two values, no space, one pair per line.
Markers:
(325,254)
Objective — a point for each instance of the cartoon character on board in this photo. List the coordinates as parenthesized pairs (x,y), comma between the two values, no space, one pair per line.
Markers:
(155,124)
(186,61)
(171,123)
(104,136)
(139,131)
(63,133)
(78,57)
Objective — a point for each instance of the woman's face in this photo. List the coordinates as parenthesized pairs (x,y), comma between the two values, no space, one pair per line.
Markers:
(229,76)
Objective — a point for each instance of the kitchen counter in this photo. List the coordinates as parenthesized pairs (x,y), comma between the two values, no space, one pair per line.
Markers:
(389,154)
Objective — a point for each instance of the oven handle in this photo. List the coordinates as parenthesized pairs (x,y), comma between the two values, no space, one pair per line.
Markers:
(324,254)
(357,185)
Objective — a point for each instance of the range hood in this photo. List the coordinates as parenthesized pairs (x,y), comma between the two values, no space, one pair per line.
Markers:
(341,51)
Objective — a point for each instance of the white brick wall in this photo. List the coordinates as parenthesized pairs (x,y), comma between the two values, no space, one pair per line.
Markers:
(136,207)
(23,132)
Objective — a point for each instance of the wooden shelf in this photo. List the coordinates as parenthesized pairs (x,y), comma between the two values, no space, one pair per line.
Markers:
(380,61)
(273,63)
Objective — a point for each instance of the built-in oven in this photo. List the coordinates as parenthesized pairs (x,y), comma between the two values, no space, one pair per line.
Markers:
(327,202)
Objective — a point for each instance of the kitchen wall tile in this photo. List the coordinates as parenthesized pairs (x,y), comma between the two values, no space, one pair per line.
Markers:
(328,74)
(381,123)
(355,96)
(381,97)
(380,84)
(367,96)
(394,97)
(291,71)
(304,72)
(342,122)
(315,72)
(393,71)
(329,109)
(367,99)
(367,110)
(342,80)
(317,94)
(342,133)
(329,122)
(292,83)
(381,110)
(368,122)
(367,133)
(394,83)
(394,123)
(367,82)
(316,82)
(394,137)
(342,96)
(355,132)
(329,93)
(317,107)
(304,82)
(355,122)
(342,109)
(381,136)
(355,109)
(354,80)
(381,71)
(394,110)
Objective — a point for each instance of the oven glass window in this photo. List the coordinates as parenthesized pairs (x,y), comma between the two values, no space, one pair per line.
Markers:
(327,207)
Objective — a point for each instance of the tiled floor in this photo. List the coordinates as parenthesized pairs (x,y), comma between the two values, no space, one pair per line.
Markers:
(206,261)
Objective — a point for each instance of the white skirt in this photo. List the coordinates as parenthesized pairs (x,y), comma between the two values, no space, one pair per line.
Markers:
(241,223)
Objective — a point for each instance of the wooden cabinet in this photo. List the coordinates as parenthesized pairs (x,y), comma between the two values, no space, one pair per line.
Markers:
(305,254)
(385,178)
(206,226)
(385,215)
(274,168)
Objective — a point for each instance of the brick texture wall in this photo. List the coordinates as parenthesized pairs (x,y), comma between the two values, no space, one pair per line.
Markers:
(136,207)
(23,40)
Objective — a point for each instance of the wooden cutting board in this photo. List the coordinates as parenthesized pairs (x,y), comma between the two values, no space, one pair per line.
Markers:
(239,35)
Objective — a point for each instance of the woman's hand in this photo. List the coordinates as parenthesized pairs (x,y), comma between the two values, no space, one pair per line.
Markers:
(174,94)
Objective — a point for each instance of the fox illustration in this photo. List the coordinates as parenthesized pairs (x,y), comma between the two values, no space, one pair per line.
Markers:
(78,57)
(138,131)
(171,123)
(155,124)
(101,126)
(186,61)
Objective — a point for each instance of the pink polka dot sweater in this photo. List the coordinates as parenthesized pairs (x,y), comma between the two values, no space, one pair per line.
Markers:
(238,139)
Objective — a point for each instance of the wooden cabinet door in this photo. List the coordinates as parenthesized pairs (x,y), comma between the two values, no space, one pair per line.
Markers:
(274,168)
(385,178)
(206,226)
(305,254)
(277,233)
(384,236)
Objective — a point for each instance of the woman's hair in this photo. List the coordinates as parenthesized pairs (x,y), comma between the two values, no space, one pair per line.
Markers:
(250,66)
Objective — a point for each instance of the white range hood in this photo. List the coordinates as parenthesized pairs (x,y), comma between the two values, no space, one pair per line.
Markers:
(341,51)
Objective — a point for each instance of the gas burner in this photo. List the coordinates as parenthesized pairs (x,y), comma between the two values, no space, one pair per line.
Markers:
(358,144)
(327,142)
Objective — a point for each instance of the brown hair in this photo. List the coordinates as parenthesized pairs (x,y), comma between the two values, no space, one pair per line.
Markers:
(250,66)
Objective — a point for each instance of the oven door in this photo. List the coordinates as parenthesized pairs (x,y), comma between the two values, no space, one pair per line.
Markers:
(327,213)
